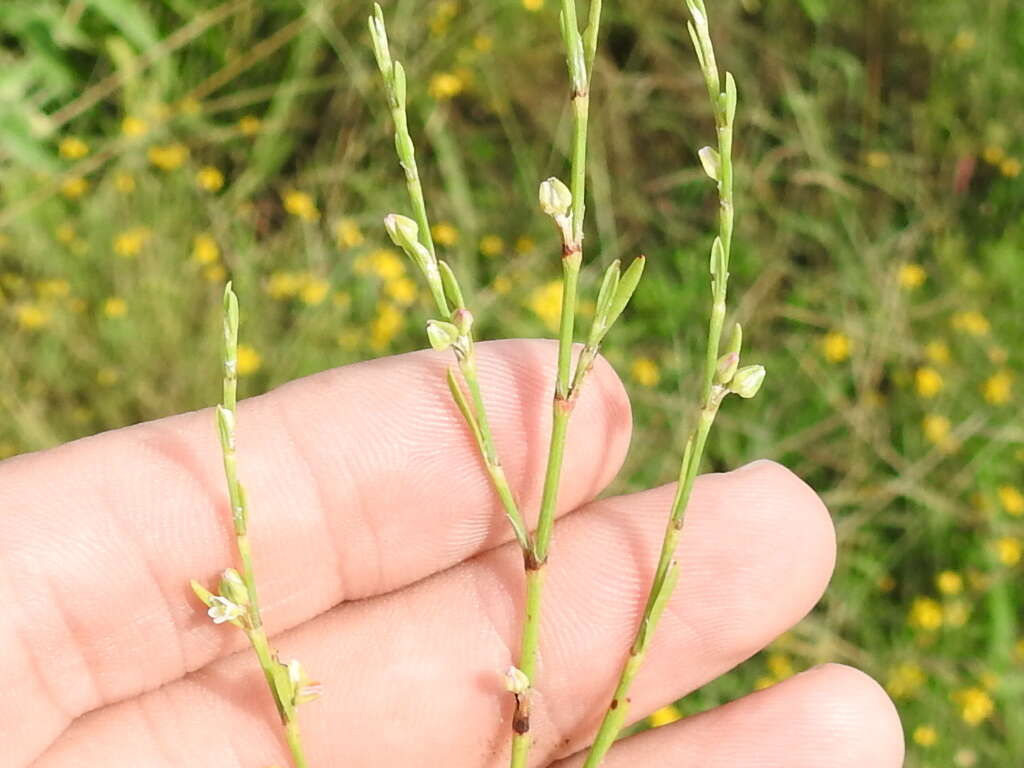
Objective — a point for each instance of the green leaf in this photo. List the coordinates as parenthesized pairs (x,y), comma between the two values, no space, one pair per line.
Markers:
(451,285)
(625,289)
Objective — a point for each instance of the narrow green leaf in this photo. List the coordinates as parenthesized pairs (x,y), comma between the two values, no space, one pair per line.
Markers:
(626,288)
(730,98)
(451,285)
(464,408)
(718,260)
(202,592)
(607,292)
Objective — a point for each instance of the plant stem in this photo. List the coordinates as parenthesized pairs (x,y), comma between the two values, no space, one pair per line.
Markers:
(474,412)
(252,623)
(712,394)
(579,57)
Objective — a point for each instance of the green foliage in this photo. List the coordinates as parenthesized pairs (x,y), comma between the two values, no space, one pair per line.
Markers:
(878,242)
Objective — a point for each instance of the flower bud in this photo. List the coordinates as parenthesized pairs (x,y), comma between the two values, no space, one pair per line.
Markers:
(441,335)
(555,197)
(711,162)
(747,381)
(462,319)
(516,681)
(233,588)
(403,231)
(726,369)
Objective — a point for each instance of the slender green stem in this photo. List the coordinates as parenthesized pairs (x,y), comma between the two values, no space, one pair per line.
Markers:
(281,687)
(474,412)
(579,56)
(712,393)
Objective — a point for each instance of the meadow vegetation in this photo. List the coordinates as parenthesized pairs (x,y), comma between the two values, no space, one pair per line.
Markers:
(149,151)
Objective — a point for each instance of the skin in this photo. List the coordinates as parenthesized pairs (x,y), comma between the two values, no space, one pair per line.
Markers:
(385,567)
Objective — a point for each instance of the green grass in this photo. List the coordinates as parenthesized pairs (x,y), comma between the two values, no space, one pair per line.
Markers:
(875,136)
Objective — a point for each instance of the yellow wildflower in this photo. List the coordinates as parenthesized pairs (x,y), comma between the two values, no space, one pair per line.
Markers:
(912,276)
(444,234)
(349,339)
(284,285)
(925,736)
(383,262)
(168,157)
(877,159)
(1010,167)
(936,430)
(956,613)
(65,233)
(928,382)
(133,126)
(300,204)
(115,307)
(937,351)
(886,583)
(533,5)
(502,284)
(1012,499)
(904,681)
(997,354)
(1008,550)
(129,243)
(993,154)
(971,322)
(975,705)
(645,372)
(483,43)
(998,388)
(546,303)
(964,41)
(249,360)
(491,245)
(314,291)
(926,614)
(445,85)
(210,178)
(124,182)
(949,582)
(401,290)
(74,187)
(73,148)
(53,289)
(31,317)
(347,233)
(215,273)
(107,377)
(836,346)
(665,716)
(780,665)
(385,327)
(205,249)
(525,244)
(249,125)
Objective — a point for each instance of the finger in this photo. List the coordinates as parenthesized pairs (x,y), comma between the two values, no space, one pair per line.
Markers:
(361,480)
(419,670)
(828,717)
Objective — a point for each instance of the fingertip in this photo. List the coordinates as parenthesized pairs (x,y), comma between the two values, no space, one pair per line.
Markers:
(849,710)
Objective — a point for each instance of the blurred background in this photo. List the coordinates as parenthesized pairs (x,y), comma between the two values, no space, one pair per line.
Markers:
(150,150)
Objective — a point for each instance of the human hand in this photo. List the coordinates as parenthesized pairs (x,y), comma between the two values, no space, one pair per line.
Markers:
(384,565)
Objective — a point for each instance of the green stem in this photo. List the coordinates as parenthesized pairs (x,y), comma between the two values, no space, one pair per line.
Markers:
(528,661)
(273,671)
(572,259)
(667,570)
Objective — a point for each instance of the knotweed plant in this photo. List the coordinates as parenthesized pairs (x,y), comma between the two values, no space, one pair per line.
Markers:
(452,329)
(722,374)
(237,601)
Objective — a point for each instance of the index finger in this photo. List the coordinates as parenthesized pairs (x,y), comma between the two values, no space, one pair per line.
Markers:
(361,480)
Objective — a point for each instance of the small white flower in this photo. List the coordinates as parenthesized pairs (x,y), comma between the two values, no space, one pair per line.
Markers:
(222,610)
(516,681)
